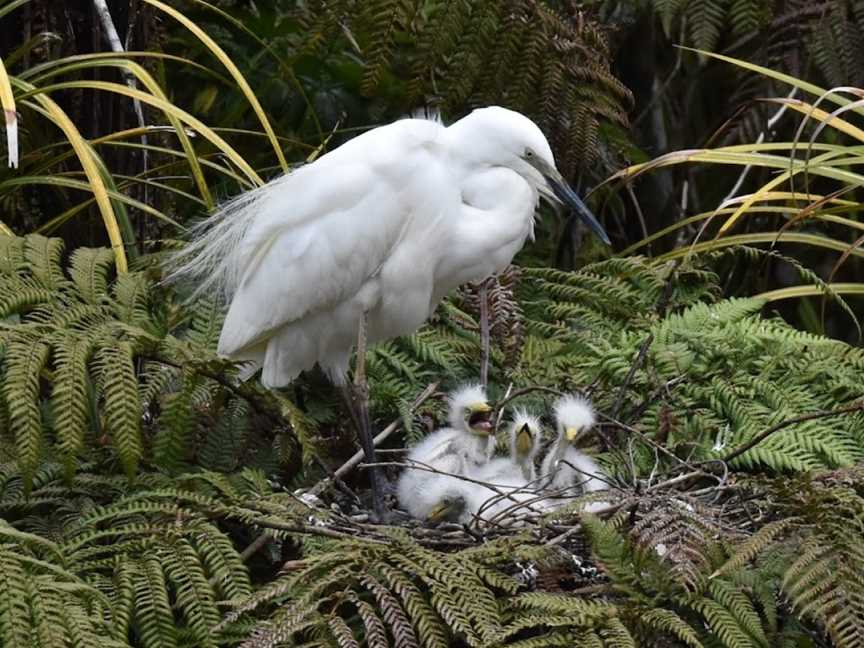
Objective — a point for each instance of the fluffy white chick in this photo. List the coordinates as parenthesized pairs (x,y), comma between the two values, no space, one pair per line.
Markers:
(567,470)
(457,450)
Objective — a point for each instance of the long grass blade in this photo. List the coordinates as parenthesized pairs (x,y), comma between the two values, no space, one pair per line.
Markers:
(166,107)
(12,6)
(71,183)
(85,157)
(794,292)
(760,237)
(7,102)
(809,88)
(238,77)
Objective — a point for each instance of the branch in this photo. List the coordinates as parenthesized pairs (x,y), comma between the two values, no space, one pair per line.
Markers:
(759,438)
(355,460)
(637,362)
(483,296)
(113,39)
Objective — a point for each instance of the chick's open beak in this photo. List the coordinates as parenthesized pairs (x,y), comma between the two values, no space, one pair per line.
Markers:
(524,440)
(571,433)
(480,419)
(564,192)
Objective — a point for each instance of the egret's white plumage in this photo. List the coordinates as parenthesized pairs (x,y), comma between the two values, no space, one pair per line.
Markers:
(455,450)
(387,224)
(568,470)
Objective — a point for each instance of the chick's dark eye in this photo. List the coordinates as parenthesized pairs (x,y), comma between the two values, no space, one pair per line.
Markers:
(529,153)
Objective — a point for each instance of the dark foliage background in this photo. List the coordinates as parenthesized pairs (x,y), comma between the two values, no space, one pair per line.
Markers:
(147,498)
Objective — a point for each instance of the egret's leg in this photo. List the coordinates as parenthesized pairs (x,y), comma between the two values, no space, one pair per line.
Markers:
(484,334)
(358,400)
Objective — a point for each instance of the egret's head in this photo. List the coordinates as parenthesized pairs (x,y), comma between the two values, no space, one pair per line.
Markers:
(574,416)
(525,434)
(470,410)
(502,137)
(450,508)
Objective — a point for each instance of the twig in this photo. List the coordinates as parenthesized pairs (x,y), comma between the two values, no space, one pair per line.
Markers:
(357,395)
(313,530)
(357,457)
(116,45)
(637,362)
(484,333)
(759,438)
(647,440)
(258,402)
(768,126)
(525,390)
(255,546)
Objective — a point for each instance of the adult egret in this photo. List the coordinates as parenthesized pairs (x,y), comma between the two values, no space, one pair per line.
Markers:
(567,469)
(369,238)
(379,229)
(454,450)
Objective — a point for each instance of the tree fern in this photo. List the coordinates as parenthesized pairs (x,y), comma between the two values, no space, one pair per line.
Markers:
(108,355)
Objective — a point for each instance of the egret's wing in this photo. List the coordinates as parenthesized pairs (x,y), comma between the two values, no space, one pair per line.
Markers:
(305,267)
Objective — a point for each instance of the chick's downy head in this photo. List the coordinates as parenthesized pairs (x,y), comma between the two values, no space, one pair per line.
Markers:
(470,410)
(574,416)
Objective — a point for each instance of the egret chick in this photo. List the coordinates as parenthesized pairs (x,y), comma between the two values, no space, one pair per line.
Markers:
(442,499)
(525,435)
(510,476)
(456,450)
(567,469)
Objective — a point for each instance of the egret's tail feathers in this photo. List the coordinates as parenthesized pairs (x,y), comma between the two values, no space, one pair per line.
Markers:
(213,260)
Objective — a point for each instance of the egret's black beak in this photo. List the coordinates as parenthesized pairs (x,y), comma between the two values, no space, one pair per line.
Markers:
(567,196)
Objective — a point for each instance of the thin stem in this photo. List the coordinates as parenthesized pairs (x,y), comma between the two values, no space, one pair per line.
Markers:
(484,334)
(759,438)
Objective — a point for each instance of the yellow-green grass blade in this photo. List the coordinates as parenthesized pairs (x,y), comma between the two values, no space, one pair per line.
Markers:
(5,229)
(71,183)
(757,238)
(56,114)
(43,71)
(7,102)
(227,172)
(809,88)
(820,115)
(12,6)
(821,165)
(39,40)
(793,167)
(60,219)
(166,107)
(286,67)
(126,229)
(255,133)
(794,292)
(726,155)
(153,87)
(238,77)
(115,139)
(777,209)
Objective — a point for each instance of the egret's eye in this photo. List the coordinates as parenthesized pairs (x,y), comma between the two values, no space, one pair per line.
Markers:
(529,154)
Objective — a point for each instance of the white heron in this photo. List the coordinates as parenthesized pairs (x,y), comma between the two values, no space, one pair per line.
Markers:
(378,230)
(568,470)
(455,450)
